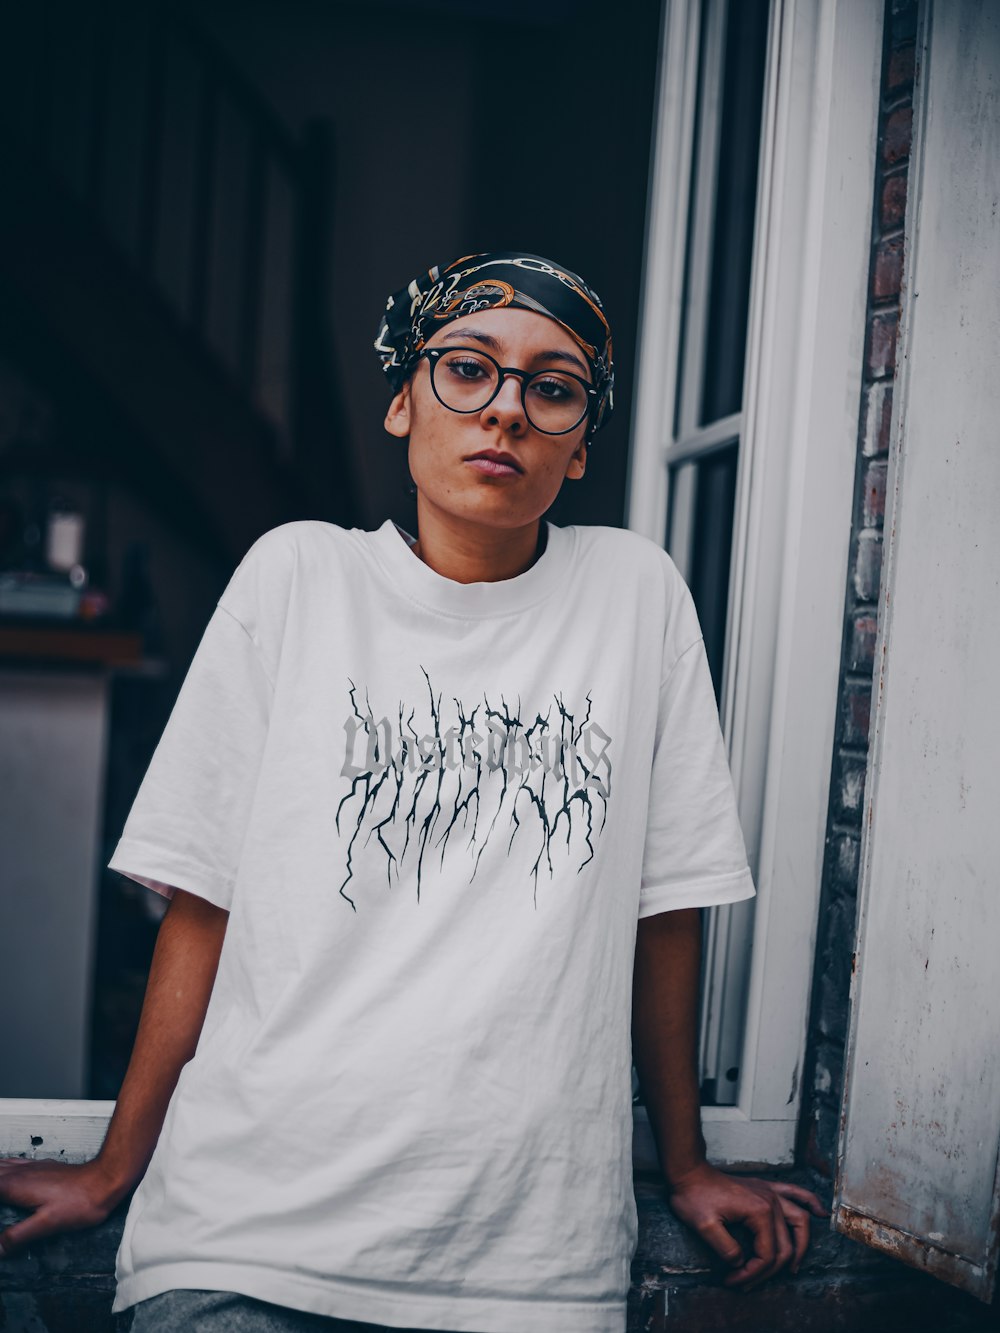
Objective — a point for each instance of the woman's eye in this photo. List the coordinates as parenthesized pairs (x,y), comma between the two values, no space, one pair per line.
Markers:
(466,369)
(551,388)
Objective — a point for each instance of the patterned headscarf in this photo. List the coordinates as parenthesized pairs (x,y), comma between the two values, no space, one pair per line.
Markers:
(489,282)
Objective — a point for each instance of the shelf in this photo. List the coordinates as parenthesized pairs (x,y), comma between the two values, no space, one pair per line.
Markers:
(49,643)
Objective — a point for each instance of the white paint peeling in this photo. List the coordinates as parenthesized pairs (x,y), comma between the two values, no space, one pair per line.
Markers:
(919,1152)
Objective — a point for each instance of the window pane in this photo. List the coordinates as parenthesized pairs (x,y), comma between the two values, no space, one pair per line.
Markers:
(684,393)
(735,200)
(700,540)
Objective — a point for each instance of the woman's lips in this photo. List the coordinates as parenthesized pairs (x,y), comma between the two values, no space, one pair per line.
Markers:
(493,468)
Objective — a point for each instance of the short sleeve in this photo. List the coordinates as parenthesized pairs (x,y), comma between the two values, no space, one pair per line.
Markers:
(187,824)
(694,854)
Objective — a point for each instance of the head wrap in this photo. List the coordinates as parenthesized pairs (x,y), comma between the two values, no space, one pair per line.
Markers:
(493,281)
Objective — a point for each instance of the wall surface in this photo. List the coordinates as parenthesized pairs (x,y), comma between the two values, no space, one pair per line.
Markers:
(461,128)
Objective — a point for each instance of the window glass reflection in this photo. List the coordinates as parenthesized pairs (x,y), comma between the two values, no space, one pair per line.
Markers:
(700,539)
(735,200)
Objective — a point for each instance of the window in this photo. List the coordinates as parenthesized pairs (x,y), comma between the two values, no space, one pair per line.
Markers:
(742,466)
(703,457)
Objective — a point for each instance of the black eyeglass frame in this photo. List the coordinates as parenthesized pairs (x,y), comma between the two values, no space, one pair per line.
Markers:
(433,355)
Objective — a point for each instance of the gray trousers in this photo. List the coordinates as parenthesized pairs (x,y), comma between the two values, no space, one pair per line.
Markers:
(184,1311)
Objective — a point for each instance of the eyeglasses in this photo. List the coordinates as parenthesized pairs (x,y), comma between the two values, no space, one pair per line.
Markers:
(465,379)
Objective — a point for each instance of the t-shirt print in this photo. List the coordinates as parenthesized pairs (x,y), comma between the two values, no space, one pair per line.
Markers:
(440,778)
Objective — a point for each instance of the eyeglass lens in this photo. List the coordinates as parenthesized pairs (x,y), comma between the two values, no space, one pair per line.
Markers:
(466,380)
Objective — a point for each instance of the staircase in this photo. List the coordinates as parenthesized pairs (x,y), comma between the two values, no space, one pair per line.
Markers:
(163,239)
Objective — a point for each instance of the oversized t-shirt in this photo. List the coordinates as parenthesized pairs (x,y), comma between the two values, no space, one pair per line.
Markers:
(435,812)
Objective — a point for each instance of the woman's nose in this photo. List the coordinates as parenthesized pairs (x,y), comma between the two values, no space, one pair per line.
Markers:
(506,409)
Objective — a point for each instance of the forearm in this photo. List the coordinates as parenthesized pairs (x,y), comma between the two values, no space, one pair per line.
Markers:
(181,977)
(664,1035)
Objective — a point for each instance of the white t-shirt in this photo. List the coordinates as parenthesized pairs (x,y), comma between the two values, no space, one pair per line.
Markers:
(435,812)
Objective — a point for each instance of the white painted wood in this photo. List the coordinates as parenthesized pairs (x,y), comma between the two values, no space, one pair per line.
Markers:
(805,353)
(658,359)
(53,726)
(681,524)
(727,930)
(705,438)
(74,1131)
(807,343)
(52,1127)
(731,1139)
(701,235)
(920,1145)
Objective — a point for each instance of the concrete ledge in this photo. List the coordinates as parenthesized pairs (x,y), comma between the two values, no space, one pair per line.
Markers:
(65,1285)
(842,1287)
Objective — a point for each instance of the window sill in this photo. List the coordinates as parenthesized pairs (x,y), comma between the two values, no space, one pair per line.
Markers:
(732,1138)
(667,1251)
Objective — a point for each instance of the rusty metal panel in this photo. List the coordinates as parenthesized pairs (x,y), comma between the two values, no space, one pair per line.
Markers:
(917,1174)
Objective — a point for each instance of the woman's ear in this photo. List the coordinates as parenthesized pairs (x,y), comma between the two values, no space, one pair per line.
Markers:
(397,419)
(577,464)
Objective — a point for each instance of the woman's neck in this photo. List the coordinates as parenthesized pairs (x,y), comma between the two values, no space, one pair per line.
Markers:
(475,554)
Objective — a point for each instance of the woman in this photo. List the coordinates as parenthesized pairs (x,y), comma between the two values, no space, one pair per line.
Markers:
(442,811)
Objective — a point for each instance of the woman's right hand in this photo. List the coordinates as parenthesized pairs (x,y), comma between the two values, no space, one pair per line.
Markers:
(59,1196)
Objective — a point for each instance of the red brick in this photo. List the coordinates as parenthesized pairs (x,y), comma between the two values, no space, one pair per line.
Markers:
(875,429)
(873,503)
(848,789)
(844,856)
(861,654)
(897,134)
(855,712)
(880,353)
(887,271)
(868,565)
(892,210)
(821,1129)
(901,64)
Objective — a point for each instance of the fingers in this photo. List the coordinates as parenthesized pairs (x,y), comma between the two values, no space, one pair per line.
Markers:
(800,1195)
(785,1249)
(747,1274)
(760,1220)
(18,1186)
(774,1246)
(723,1242)
(794,1200)
(777,1214)
(23,1233)
(798,1221)
(791,1241)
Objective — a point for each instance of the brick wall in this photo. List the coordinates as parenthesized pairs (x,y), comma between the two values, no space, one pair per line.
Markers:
(835,943)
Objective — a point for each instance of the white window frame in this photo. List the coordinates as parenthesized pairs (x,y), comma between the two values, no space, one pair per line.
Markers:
(794,504)
(803,382)
(69,1129)
(728,929)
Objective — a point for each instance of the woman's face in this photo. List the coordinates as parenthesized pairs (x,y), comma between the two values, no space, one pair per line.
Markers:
(443,442)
